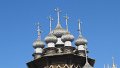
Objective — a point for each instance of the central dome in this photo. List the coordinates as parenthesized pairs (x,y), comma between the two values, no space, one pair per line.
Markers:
(59,31)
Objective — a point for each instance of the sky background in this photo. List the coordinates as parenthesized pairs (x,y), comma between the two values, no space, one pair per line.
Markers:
(101,26)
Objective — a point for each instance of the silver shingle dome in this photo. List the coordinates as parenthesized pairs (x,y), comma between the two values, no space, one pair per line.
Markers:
(81,41)
(67,37)
(59,31)
(51,38)
(38,43)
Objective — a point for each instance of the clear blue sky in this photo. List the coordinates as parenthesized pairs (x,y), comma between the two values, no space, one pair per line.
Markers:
(101,26)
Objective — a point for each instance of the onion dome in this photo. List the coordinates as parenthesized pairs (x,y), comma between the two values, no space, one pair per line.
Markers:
(51,38)
(59,31)
(38,43)
(67,37)
(81,41)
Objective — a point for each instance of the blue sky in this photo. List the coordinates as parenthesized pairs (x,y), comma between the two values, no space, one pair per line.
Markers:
(101,26)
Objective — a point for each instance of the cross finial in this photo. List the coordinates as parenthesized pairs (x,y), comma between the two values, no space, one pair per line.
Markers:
(38,30)
(66,18)
(50,19)
(79,29)
(58,14)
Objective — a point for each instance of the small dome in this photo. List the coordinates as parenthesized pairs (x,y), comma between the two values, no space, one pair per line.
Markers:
(59,31)
(51,38)
(38,43)
(67,37)
(81,41)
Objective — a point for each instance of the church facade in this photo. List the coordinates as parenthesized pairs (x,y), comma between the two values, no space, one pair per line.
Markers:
(59,51)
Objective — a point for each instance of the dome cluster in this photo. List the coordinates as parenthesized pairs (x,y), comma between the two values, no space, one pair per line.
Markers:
(59,38)
(60,35)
